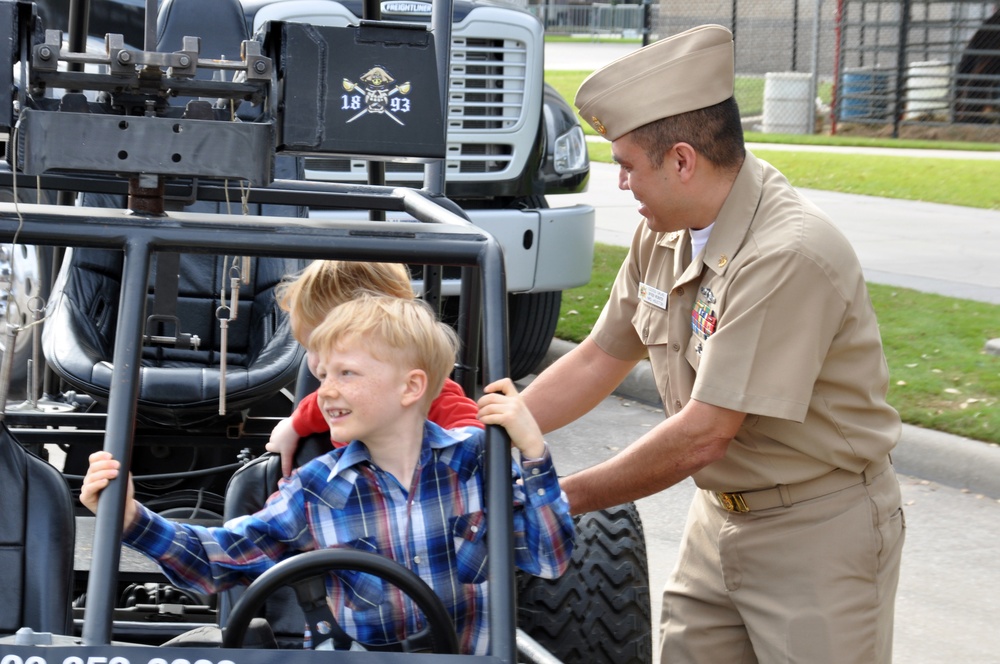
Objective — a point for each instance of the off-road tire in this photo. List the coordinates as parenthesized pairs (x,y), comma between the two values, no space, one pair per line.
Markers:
(598,612)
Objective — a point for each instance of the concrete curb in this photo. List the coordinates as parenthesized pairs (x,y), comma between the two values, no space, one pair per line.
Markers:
(934,456)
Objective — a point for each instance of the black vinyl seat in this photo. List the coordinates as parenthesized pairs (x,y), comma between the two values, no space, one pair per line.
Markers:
(177,386)
(220,24)
(37,535)
(248,490)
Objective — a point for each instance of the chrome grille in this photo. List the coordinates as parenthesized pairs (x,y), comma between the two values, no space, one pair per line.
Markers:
(487,84)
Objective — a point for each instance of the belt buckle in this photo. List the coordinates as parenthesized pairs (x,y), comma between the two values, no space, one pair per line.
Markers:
(732,502)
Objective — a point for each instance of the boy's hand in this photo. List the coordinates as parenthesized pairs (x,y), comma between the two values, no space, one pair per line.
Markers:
(501,404)
(284,440)
(103,468)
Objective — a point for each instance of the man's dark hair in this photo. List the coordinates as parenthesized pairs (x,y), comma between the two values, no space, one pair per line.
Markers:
(715,132)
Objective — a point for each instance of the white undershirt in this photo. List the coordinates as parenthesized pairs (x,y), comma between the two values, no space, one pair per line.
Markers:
(699,238)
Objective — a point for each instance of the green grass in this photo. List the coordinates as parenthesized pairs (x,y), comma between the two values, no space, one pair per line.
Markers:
(870,142)
(940,377)
(967,182)
(591,39)
(957,182)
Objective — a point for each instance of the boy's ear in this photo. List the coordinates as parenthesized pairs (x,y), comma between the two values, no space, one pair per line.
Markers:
(414,386)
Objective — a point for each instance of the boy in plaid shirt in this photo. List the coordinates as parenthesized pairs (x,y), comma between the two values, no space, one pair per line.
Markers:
(403,487)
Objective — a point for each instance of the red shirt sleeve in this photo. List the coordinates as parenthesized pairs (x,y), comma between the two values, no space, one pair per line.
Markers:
(307,418)
(452,409)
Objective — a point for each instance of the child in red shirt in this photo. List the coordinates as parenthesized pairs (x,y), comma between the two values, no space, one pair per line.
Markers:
(308,298)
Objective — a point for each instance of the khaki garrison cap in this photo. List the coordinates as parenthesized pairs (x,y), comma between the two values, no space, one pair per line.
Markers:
(688,71)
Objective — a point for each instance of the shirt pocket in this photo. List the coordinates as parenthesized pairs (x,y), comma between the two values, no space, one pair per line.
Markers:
(650,323)
(362,591)
(468,533)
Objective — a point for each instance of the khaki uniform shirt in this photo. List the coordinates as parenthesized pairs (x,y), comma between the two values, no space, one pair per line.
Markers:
(773,319)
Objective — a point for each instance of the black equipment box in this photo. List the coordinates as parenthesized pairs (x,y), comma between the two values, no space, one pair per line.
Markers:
(369,90)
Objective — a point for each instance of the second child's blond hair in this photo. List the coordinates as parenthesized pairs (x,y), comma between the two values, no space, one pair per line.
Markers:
(323,285)
(402,331)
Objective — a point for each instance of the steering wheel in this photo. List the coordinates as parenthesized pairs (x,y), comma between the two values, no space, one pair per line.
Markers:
(440,632)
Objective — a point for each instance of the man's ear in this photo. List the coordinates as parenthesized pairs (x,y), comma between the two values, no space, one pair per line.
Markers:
(685,160)
(414,386)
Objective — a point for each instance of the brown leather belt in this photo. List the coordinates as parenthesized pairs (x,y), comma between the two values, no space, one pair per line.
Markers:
(786,495)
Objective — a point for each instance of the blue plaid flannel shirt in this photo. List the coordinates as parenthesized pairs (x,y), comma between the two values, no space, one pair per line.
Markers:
(342,499)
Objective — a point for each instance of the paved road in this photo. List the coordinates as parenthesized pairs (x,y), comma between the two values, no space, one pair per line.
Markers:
(948,595)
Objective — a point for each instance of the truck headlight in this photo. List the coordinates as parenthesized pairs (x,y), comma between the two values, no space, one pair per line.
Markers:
(570,151)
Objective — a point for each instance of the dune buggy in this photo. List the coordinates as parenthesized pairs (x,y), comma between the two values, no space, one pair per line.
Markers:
(158,337)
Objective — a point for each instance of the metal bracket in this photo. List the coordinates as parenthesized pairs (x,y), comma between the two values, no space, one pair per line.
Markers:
(181,340)
(135,144)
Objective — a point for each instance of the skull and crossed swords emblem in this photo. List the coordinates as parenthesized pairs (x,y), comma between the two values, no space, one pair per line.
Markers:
(377,92)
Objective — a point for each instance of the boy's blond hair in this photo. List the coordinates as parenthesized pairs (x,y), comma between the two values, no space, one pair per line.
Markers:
(402,331)
(323,285)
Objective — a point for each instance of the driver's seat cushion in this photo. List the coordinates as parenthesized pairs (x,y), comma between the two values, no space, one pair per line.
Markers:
(37,534)
(248,490)
(177,387)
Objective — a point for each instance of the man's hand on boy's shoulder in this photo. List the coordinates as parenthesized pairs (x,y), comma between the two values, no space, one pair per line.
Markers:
(501,404)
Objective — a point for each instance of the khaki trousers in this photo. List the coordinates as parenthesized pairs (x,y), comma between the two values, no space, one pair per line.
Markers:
(812,583)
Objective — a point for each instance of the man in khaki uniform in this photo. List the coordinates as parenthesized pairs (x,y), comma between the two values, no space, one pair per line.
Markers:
(753,310)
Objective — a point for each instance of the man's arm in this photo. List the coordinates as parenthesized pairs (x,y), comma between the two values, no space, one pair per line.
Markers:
(573,385)
(673,450)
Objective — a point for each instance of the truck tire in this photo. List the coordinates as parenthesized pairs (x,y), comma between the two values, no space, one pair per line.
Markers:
(599,611)
(531,322)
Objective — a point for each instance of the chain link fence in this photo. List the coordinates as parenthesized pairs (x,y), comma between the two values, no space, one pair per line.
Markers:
(596,19)
(905,68)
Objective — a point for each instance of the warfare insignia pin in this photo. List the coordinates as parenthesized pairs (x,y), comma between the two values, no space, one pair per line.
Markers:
(374,95)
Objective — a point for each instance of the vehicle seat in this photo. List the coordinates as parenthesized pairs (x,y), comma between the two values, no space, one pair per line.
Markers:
(180,387)
(38,565)
(177,386)
(247,491)
(177,19)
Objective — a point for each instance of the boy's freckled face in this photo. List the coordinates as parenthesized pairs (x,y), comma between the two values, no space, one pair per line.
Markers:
(359,394)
